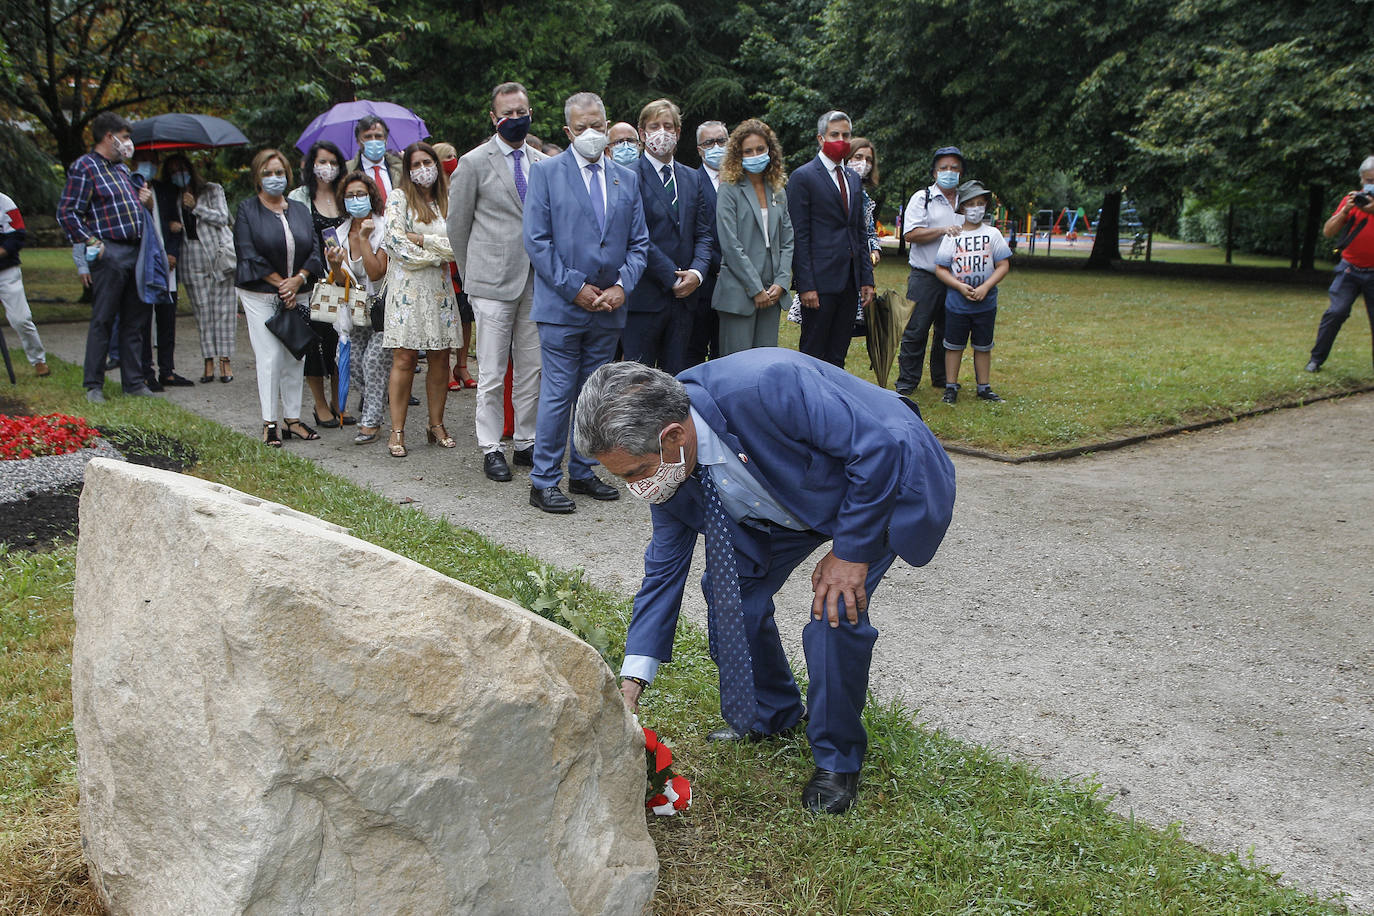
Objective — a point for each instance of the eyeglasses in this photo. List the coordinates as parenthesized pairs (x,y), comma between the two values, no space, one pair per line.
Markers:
(360,195)
(719,141)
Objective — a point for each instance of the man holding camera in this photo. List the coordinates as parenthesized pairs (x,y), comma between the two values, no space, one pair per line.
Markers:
(1355,272)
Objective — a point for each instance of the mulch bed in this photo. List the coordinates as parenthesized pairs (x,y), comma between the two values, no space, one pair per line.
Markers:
(46,519)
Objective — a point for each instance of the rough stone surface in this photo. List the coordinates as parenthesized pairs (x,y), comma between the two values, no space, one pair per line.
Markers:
(275,717)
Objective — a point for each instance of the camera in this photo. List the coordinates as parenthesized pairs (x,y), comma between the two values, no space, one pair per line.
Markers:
(1362,199)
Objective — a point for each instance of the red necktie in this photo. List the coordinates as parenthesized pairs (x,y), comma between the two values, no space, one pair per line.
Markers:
(844,189)
(381,187)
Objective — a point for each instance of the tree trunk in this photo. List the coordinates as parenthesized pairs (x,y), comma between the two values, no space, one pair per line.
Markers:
(70,143)
(1149,245)
(1293,241)
(1312,227)
(1107,242)
(1230,230)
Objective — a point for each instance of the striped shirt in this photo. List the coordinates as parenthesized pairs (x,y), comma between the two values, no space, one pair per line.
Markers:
(100,201)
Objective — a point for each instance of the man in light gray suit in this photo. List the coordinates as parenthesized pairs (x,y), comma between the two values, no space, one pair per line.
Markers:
(485,212)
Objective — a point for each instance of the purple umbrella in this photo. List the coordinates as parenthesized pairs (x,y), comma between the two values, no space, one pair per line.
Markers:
(337,124)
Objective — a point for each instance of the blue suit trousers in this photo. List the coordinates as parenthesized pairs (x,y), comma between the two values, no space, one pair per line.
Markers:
(570,355)
(837,658)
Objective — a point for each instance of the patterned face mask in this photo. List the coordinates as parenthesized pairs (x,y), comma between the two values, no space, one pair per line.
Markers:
(660,486)
(661,142)
(424,176)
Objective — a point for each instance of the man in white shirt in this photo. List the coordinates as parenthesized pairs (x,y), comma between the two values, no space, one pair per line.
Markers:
(928,218)
(485,216)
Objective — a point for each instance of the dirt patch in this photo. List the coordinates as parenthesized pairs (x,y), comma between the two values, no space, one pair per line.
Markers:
(45,519)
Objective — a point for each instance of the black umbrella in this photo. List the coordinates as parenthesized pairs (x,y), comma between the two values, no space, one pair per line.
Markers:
(9,366)
(185,131)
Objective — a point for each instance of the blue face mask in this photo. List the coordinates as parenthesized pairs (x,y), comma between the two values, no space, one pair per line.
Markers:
(146,169)
(274,185)
(358,207)
(181,179)
(714,156)
(625,153)
(374,150)
(947,178)
(755,164)
(1369,188)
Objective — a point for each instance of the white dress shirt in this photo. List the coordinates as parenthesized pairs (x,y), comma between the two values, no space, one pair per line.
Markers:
(583,168)
(830,166)
(507,149)
(368,167)
(715,176)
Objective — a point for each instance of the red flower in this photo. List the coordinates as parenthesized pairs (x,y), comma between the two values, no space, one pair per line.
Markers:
(54,434)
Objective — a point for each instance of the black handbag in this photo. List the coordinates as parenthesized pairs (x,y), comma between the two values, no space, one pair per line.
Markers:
(293,330)
(376,309)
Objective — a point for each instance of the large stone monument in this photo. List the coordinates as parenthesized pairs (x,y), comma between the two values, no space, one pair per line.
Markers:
(275,717)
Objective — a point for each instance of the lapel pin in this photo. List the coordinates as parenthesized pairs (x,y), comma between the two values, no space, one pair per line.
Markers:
(743,457)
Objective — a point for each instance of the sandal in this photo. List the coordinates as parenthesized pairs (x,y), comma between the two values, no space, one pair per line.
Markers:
(269,435)
(299,430)
(396,445)
(365,438)
(445,440)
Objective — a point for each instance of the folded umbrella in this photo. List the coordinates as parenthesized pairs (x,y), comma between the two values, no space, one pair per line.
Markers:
(337,126)
(5,352)
(887,319)
(179,130)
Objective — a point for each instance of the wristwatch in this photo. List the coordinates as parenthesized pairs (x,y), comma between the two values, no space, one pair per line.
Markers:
(643,684)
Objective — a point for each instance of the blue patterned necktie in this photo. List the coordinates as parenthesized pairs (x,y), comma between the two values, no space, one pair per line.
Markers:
(598,204)
(519,173)
(725,612)
(670,184)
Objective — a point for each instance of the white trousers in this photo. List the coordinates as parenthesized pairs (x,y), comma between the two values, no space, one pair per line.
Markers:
(18,314)
(280,375)
(505,332)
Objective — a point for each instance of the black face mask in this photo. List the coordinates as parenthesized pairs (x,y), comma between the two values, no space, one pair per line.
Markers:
(513,130)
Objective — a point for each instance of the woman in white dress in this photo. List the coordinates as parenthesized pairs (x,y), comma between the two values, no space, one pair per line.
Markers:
(420,304)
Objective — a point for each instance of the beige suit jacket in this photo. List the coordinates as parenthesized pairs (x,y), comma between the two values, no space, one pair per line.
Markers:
(485,217)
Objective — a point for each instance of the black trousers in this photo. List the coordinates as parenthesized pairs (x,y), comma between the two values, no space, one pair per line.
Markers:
(165,317)
(1349,283)
(927,322)
(827,331)
(114,291)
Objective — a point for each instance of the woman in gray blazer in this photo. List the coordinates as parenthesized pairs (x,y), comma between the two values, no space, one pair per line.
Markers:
(755,235)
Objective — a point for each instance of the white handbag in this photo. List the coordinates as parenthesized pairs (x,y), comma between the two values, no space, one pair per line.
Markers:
(328,299)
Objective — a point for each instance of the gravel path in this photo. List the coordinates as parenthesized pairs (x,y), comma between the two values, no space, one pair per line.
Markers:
(1189,619)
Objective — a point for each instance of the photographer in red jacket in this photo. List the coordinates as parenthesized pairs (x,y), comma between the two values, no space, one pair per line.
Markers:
(1355,272)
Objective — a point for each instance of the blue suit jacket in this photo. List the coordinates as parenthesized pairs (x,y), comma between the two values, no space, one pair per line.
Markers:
(566,250)
(679,239)
(830,248)
(709,192)
(850,460)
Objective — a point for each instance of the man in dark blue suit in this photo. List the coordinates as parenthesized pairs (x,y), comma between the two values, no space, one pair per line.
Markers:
(585,235)
(681,226)
(831,270)
(770,454)
(712,138)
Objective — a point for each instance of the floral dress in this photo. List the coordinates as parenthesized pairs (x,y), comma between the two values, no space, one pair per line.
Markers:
(420,304)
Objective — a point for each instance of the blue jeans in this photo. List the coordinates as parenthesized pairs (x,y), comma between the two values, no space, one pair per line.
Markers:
(1350,282)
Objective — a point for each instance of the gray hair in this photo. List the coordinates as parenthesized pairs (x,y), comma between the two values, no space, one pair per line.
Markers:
(625,406)
(828,118)
(706,125)
(582,100)
(1367,165)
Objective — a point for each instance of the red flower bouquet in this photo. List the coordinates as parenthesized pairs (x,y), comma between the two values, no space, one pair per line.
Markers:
(668,794)
(53,434)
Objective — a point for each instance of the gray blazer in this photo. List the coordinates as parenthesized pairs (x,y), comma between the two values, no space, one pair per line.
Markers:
(747,265)
(485,222)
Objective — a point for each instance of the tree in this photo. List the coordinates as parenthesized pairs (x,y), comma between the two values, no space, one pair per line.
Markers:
(62,62)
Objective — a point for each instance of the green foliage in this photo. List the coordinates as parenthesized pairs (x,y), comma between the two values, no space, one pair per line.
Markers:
(29,176)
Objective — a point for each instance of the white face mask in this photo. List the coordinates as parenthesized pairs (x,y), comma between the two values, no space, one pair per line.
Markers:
(975,214)
(660,486)
(859,167)
(590,144)
(326,172)
(124,148)
(661,143)
(424,176)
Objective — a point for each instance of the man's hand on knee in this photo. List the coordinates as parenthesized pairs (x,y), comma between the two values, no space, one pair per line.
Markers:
(833,579)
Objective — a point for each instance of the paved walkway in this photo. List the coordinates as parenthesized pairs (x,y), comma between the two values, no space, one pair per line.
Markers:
(1189,620)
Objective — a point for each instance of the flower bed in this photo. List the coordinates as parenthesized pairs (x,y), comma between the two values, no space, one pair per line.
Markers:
(35,437)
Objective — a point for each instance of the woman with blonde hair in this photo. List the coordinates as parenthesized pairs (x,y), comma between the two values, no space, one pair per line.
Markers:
(278,262)
(755,235)
(420,302)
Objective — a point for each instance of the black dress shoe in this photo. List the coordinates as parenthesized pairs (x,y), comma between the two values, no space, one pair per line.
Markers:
(596,488)
(176,381)
(828,792)
(523,457)
(153,384)
(494,466)
(551,499)
(1312,366)
(728,733)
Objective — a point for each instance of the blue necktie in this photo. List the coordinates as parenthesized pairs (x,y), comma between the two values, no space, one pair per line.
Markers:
(519,173)
(598,204)
(725,612)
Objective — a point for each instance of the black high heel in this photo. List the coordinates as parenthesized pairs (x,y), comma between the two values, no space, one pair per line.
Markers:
(327,424)
(287,432)
(270,437)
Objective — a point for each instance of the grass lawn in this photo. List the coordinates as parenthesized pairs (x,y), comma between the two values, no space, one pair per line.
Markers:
(1088,358)
(1163,251)
(52,287)
(941,827)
